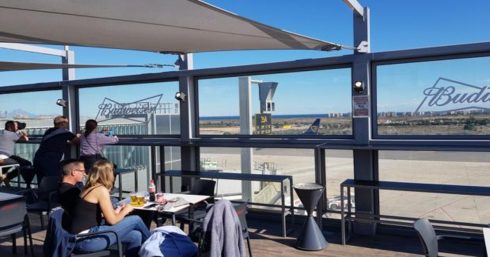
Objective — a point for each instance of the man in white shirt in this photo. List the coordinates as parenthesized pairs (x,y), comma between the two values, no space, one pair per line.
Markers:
(8,138)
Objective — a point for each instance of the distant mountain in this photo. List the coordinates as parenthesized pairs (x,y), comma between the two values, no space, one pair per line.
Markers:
(16,113)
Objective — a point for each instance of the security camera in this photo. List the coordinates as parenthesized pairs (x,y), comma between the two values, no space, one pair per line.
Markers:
(181,96)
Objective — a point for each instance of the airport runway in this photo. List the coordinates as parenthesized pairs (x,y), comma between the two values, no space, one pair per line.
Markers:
(393,155)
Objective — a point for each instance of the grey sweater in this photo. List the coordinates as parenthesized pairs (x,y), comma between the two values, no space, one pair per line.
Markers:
(225,233)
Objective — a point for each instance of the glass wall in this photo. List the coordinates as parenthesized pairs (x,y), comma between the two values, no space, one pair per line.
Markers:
(455,168)
(449,97)
(136,109)
(295,103)
(36,109)
(298,163)
(131,157)
(339,167)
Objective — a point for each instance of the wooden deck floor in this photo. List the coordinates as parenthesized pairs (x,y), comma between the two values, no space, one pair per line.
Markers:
(267,242)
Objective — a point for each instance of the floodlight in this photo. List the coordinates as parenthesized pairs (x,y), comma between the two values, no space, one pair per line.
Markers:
(358,86)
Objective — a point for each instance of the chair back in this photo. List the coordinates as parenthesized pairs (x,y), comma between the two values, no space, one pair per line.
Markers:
(60,243)
(47,185)
(13,210)
(427,236)
(241,211)
(203,187)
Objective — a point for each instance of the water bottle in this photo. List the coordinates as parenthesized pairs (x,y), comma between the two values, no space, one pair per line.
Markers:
(152,190)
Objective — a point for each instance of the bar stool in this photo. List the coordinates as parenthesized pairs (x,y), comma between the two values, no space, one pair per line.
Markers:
(311,237)
(10,167)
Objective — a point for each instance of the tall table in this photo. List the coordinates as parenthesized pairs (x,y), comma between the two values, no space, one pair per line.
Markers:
(244,177)
(311,237)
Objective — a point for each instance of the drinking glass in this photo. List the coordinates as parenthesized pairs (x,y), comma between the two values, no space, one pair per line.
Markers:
(134,199)
(140,198)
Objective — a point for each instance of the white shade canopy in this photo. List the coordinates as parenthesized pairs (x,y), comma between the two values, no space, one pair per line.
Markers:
(182,26)
(15,66)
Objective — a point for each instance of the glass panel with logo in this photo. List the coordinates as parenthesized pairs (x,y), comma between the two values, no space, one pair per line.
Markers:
(449,97)
(34,111)
(297,103)
(136,109)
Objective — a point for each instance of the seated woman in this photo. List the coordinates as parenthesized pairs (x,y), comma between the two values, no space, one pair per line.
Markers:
(95,203)
(92,143)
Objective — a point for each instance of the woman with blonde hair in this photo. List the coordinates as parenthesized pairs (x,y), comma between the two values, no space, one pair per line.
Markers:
(95,203)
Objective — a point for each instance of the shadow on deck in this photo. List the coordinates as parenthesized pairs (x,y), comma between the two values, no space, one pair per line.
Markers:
(266,241)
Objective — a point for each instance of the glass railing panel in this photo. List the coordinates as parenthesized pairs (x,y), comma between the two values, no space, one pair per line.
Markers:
(447,98)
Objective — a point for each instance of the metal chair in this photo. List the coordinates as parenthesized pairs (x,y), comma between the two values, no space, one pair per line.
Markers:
(15,219)
(199,187)
(45,197)
(427,236)
(241,211)
(205,244)
(56,232)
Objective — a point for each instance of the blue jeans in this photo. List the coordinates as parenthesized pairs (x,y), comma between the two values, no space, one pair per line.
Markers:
(131,231)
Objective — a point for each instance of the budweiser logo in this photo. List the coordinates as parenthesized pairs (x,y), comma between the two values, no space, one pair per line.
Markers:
(450,95)
(111,109)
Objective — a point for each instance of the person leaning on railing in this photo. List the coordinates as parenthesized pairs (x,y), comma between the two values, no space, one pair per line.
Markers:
(12,134)
(94,202)
(53,145)
(92,144)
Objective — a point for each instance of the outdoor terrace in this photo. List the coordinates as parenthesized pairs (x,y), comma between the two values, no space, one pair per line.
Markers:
(266,241)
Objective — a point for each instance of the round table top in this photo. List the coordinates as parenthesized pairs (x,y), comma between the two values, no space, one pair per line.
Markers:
(307,186)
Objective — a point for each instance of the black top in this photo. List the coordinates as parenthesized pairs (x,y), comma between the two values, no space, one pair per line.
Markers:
(85,215)
(69,195)
(54,140)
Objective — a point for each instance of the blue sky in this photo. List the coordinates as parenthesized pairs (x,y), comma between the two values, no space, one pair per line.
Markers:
(395,25)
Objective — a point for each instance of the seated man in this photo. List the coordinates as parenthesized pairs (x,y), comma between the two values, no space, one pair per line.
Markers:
(8,138)
(71,185)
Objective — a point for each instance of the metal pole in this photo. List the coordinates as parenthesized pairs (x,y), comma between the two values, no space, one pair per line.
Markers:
(364,160)
(70,94)
(245,92)
(188,120)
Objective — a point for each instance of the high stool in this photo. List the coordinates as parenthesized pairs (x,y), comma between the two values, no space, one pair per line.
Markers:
(10,167)
(311,237)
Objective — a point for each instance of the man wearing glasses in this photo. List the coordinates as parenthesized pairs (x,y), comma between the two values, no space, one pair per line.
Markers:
(72,184)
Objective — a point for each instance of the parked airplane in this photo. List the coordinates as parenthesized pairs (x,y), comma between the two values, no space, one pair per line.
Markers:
(313,129)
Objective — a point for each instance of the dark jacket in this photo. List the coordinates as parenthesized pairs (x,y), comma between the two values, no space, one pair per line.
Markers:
(58,242)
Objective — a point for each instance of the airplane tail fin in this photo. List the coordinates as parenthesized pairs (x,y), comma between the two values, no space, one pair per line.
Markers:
(313,129)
